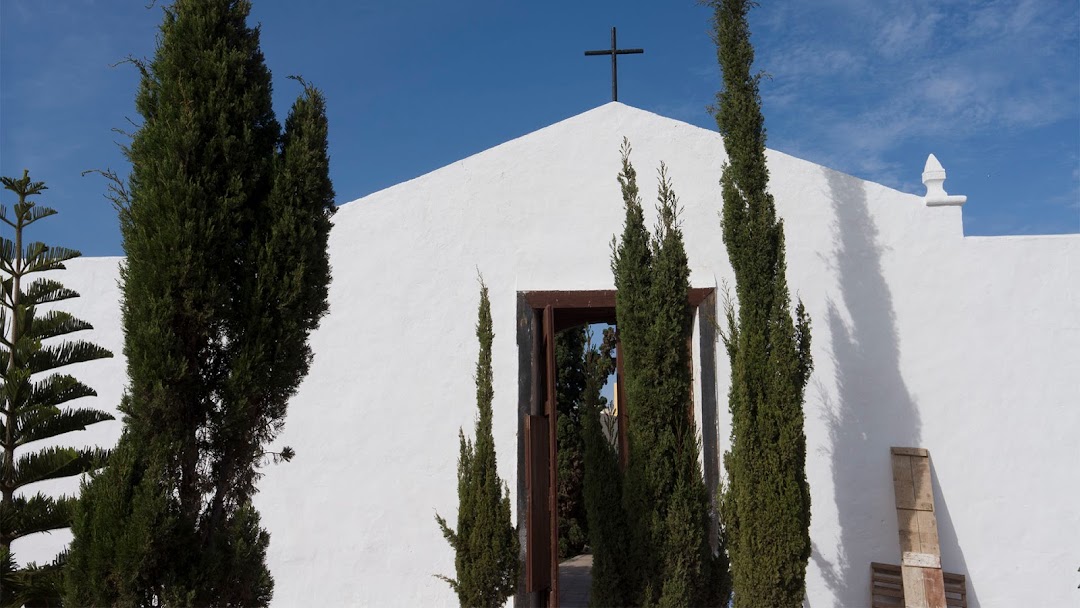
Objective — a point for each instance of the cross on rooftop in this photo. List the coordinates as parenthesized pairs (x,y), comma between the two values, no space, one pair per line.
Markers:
(615,52)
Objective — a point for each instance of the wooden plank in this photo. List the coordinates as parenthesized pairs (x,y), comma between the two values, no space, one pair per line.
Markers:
(599,298)
(928,534)
(895,588)
(550,372)
(914,587)
(576,317)
(908,525)
(957,581)
(933,587)
(888,592)
(922,560)
(923,584)
(903,484)
(923,486)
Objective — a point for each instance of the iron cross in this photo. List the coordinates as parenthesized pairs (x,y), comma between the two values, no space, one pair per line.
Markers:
(615,52)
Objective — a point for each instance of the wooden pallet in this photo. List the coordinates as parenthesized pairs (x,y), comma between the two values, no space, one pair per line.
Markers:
(887,587)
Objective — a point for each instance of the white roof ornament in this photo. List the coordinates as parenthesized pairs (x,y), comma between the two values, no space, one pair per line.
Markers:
(933,177)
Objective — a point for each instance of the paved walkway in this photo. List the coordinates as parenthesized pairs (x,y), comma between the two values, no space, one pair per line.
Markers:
(575,577)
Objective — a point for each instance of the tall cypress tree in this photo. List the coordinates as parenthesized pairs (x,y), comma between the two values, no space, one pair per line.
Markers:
(766,506)
(485,541)
(31,409)
(685,571)
(664,494)
(603,484)
(631,264)
(225,225)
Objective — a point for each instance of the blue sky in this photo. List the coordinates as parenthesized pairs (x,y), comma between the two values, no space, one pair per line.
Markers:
(867,87)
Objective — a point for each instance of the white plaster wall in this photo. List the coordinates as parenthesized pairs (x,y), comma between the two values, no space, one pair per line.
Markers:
(969,347)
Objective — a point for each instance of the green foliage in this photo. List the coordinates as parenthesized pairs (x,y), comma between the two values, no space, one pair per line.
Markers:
(31,409)
(225,224)
(603,484)
(8,578)
(569,388)
(766,507)
(485,542)
(32,586)
(116,562)
(664,494)
(631,265)
(685,543)
(573,525)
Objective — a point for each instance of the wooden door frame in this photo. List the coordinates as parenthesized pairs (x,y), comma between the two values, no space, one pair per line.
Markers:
(571,309)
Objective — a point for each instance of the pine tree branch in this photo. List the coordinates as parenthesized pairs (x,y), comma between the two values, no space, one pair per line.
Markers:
(38,513)
(35,213)
(44,291)
(4,218)
(55,463)
(52,324)
(51,422)
(66,353)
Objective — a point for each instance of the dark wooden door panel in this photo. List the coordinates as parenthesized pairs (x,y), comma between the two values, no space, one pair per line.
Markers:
(537,533)
(552,409)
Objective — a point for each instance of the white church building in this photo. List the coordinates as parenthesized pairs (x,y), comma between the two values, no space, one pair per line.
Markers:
(968,347)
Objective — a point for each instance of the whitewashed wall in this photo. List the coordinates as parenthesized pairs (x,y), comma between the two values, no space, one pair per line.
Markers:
(969,347)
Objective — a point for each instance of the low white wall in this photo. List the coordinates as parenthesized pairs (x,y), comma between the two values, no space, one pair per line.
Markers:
(969,347)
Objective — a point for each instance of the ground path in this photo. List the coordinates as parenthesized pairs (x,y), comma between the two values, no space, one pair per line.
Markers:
(575,576)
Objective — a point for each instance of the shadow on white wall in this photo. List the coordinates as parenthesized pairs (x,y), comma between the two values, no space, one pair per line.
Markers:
(873,408)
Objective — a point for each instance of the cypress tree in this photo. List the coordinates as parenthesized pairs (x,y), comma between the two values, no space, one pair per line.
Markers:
(766,505)
(664,493)
(603,485)
(31,409)
(225,224)
(686,551)
(631,264)
(485,542)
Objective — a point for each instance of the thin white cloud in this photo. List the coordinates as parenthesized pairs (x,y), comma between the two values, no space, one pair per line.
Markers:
(908,32)
(870,77)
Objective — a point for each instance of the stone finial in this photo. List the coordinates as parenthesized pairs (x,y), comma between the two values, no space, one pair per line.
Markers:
(933,177)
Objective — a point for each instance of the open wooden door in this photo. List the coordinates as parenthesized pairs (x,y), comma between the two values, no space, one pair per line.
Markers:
(542,531)
(551,408)
(541,418)
(537,533)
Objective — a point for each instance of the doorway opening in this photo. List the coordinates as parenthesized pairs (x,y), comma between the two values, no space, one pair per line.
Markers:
(541,315)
